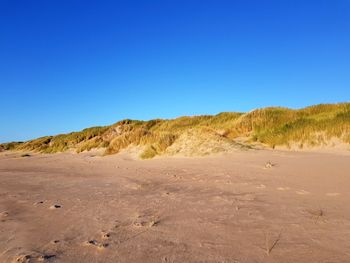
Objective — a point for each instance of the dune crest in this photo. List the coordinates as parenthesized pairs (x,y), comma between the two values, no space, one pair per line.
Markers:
(319,126)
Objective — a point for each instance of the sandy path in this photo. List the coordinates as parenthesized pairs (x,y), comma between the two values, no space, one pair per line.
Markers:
(215,209)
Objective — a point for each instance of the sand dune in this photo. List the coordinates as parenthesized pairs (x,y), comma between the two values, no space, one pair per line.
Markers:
(323,126)
(231,208)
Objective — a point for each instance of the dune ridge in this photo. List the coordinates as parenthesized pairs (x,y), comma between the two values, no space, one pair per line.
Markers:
(313,126)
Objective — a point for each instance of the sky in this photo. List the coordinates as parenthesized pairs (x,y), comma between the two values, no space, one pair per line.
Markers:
(67,65)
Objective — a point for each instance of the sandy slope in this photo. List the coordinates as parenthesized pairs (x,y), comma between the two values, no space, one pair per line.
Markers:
(214,209)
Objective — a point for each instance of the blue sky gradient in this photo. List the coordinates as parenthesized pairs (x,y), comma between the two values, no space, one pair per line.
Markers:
(68,65)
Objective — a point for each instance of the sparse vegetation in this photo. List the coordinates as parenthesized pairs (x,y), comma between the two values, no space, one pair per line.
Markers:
(9,146)
(274,126)
(270,244)
(316,214)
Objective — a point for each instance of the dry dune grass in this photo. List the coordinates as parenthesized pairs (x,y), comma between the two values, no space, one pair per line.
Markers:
(201,135)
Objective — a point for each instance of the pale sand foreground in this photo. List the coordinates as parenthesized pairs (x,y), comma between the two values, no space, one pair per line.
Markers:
(214,209)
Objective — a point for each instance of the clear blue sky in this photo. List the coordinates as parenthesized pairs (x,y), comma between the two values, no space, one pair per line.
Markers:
(67,65)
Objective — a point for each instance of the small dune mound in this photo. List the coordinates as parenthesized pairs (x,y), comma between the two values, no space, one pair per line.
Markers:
(200,142)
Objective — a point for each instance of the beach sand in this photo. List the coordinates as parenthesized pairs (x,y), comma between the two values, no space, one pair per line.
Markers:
(249,206)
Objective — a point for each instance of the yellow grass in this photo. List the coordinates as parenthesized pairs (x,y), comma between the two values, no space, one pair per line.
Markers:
(273,126)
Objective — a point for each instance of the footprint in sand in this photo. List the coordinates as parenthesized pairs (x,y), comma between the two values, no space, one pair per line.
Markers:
(55,206)
(95,243)
(105,235)
(3,216)
(283,188)
(23,259)
(46,257)
(332,194)
(34,257)
(302,192)
(146,221)
(167,260)
(269,165)
(170,194)
(177,177)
